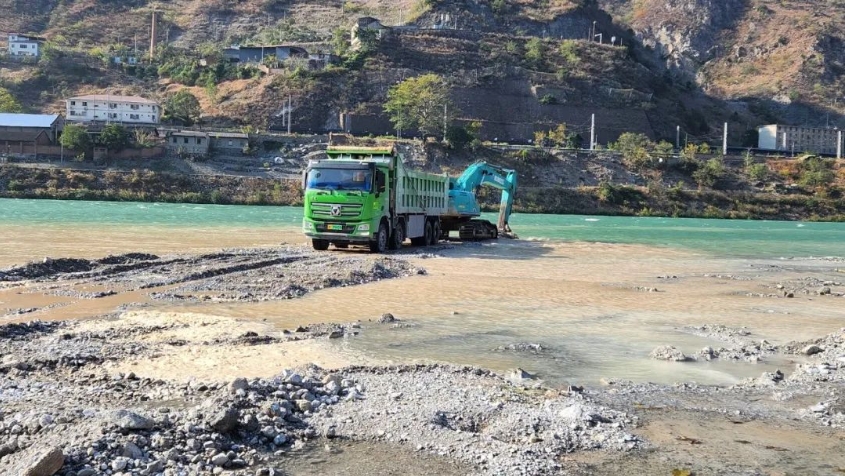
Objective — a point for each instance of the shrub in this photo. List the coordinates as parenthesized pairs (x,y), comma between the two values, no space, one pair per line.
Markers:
(757,171)
(548,99)
(816,172)
(708,175)
(569,52)
(535,52)
(607,193)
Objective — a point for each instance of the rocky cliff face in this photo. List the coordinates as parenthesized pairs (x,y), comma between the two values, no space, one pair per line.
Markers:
(686,33)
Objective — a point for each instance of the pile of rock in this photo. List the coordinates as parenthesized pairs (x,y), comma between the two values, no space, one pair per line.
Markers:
(237,427)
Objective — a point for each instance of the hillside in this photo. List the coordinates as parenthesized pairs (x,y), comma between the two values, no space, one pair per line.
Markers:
(783,60)
(693,63)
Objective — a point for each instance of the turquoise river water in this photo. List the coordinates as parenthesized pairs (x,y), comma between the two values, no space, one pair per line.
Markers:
(736,238)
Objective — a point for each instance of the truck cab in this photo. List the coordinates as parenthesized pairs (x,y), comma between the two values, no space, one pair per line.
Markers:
(366,196)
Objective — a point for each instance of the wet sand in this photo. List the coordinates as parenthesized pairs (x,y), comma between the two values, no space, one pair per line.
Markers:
(600,307)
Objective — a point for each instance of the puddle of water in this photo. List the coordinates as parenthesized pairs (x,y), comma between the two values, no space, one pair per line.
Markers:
(342,458)
(580,301)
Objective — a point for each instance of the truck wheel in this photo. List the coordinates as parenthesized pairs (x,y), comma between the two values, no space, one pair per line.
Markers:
(380,243)
(429,233)
(398,237)
(320,245)
(437,233)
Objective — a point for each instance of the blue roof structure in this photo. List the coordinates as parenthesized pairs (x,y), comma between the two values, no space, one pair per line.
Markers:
(28,120)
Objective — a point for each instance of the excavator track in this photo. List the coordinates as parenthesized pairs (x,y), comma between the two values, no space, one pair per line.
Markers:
(478,230)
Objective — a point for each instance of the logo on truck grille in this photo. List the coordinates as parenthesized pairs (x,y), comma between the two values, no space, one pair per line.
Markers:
(341,210)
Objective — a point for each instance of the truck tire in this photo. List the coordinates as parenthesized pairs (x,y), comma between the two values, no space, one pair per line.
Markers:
(437,233)
(320,245)
(379,245)
(398,236)
(429,234)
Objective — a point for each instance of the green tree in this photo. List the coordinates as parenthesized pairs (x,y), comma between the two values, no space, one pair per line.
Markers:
(183,106)
(8,103)
(75,137)
(499,7)
(535,52)
(459,137)
(634,148)
(574,141)
(368,40)
(340,41)
(558,136)
(419,103)
(114,137)
(663,148)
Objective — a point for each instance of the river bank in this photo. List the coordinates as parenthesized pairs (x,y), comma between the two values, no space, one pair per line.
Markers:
(159,377)
(150,186)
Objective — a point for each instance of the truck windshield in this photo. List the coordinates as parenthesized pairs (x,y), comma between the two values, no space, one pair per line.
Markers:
(340,179)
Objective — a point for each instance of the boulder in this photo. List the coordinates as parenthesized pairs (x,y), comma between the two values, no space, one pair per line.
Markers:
(224,420)
(238,384)
(580,413)
(387,318)
(127,420)
(811,350)
(669,353)
(45,462)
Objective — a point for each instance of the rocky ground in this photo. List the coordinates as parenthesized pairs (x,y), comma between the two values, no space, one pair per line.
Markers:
(84,398)
(239,275)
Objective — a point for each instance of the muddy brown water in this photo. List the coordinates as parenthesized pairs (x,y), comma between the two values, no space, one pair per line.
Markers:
(588,305)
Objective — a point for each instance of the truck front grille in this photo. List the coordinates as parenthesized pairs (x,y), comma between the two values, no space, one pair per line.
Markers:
(336,210)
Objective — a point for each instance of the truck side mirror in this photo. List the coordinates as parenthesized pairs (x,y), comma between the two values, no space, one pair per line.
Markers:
(304,178)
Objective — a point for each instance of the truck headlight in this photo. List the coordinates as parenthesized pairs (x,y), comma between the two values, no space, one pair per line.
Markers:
(307,225)
(364,227)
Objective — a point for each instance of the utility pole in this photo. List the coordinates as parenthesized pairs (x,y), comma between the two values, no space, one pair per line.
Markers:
(153,38)
(838,144)
(725,141)
(678,137)
(593,131)
(136,46)
(445,121)
(290,109)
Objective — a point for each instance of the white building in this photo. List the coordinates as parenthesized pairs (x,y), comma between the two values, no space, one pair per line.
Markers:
(23,45)
(107,108)
(797,139)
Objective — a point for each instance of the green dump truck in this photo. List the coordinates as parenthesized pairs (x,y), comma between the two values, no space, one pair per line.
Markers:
(366,196)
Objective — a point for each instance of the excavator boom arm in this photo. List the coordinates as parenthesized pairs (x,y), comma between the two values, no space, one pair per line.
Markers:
(481,173)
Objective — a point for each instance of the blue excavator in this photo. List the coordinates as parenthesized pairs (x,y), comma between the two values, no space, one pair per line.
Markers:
(464,210)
